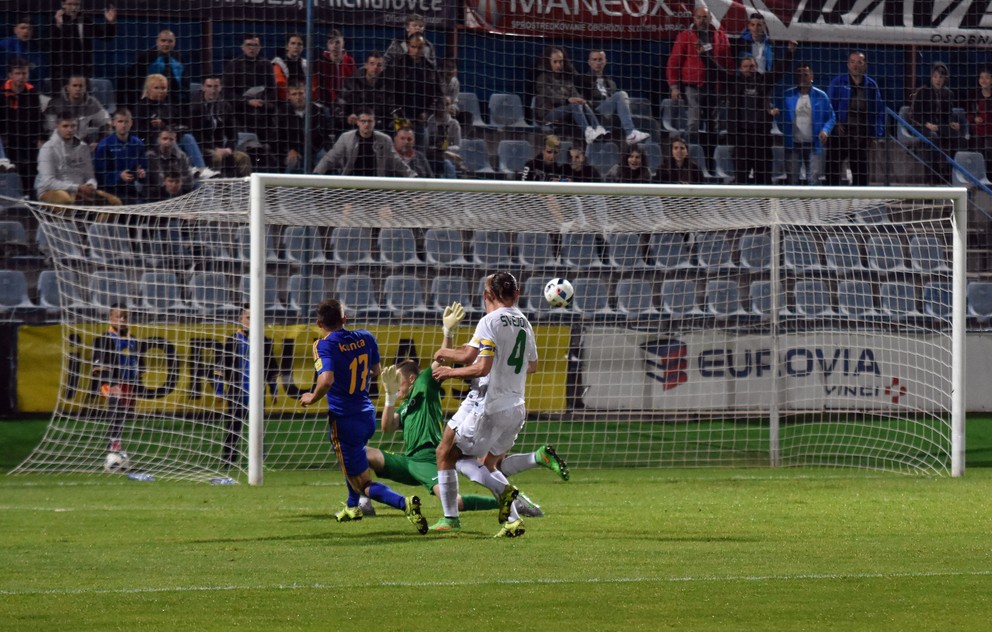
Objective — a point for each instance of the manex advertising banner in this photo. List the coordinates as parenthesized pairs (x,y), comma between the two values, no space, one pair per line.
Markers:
(946,22)
(177,366)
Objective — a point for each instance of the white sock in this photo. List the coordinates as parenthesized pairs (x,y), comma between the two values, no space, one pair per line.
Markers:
(447,482)
(364,500)
(513,506)
(516,463)
(479,473)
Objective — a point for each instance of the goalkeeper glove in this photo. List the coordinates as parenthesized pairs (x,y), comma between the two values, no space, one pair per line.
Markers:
(453,315)
(390,378)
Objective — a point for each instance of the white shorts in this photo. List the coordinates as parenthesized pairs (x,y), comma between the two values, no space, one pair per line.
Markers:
(478,433)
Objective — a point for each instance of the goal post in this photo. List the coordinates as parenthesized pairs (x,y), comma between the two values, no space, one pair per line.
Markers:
(711,325)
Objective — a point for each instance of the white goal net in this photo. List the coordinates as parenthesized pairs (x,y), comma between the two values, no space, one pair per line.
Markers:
(711,326)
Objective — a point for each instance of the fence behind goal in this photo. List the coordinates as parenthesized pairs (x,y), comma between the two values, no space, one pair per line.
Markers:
(711,326)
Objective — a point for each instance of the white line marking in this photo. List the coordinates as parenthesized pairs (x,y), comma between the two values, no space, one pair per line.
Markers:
(504,582)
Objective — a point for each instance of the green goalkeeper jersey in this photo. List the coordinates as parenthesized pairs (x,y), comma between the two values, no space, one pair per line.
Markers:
(421,417)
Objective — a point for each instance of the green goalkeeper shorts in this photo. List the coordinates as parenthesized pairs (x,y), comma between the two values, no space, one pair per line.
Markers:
(420,469)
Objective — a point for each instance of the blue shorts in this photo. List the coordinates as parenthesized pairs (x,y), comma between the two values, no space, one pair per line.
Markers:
(349,436)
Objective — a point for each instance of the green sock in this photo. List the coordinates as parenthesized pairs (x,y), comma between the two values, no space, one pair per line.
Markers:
(475,502)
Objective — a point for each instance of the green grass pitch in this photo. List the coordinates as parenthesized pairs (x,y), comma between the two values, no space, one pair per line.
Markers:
(708,549)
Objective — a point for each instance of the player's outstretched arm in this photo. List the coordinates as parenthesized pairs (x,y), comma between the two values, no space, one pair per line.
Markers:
(390,380)
(453,315)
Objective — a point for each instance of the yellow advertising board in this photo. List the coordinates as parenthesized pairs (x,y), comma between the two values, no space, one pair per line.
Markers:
(177,365)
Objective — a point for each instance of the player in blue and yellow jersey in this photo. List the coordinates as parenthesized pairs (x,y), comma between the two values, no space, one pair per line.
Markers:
(231,383)
(346,361)
(115,369)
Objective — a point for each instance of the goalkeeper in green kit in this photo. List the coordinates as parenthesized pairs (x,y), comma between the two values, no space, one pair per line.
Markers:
(413,404)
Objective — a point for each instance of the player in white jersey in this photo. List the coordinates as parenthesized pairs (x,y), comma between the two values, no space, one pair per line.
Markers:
(497,360)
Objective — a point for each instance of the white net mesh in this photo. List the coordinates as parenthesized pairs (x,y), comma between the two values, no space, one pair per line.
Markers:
(705,331)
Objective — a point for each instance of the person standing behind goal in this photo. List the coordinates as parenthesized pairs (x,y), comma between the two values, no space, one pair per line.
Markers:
(497,359)
(115,370)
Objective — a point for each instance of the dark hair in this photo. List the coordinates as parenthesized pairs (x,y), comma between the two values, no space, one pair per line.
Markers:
(545,64)
(365,109)
(249,36)
(417,36)
(18,62)
(122,111)
(503,286)
(23,19)
(415,17)
(172,175)
(335,34)
(293,34)
(408,367)
(377,54)
(65,115)
(330,314)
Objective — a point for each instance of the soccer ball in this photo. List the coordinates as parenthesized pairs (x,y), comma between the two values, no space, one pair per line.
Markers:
(558,292)
(116,462)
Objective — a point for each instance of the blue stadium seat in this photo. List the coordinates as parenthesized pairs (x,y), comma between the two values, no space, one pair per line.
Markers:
(897,301)
(404,295)
(159,292)
(635,298)
(856,299)
(491,249)
(801,253)
(352,245)
(669,251)
(603,156)
(723,299)
(624,251)
(444,247)
(108,287)
(903,133)
(974,163)
(811,299)
(534,250)
(674,117)
(713,251)
(885,254)
(103,91)
(980,301)
(475,156)
(513,155)
(723,161)
(843,254)
(243,238)
(592,299)
(652,155)
(678,299)
(927,254)
(760,300)
(698,156)
(110,244)
(210,294)
(447,289)
(357,292)
(302,244)
(274,306)
(398,247)
(469,102)
(506,110)
(581,251)
(755,252)
(14,300)
(305,292)
(12,236)
(61,237)
(938,300)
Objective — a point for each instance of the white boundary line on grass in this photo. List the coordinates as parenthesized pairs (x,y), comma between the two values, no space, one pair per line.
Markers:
(503,582)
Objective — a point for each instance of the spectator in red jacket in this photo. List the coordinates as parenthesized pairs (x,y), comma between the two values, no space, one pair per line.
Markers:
(691,80)
(980,115)
(334,66)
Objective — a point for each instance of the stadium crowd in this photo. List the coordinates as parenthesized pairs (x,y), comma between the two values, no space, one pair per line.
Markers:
(723,120)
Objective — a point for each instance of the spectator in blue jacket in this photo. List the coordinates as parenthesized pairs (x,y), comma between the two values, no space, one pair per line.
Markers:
(23,45)
(807,121)
(754,41)
(120,162)
(857,102)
